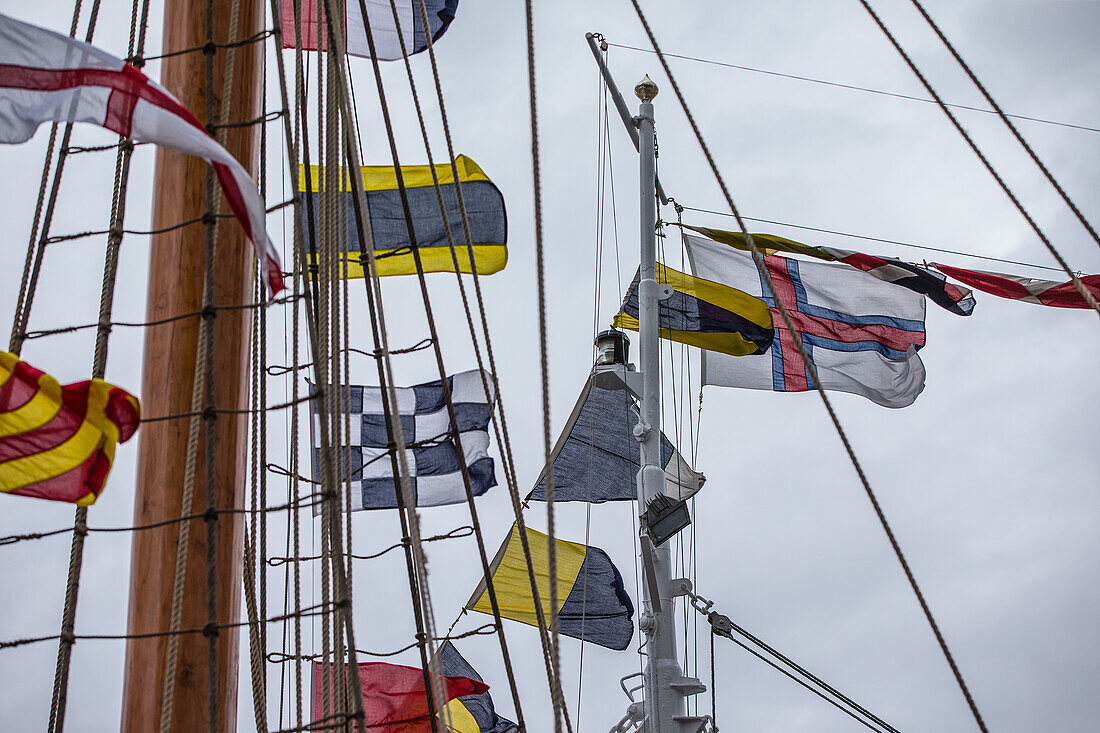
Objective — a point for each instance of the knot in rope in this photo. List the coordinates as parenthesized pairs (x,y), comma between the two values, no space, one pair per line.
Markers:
(210,630)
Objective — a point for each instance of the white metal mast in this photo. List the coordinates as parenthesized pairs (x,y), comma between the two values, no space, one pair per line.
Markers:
(665,685)
(663,710)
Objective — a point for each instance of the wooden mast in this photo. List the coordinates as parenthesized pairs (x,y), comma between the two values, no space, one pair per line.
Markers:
(176,275)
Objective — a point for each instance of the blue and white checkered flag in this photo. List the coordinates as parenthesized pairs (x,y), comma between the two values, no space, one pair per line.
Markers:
(433,457)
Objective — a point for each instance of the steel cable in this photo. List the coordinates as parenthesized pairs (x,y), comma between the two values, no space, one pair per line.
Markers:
(834,418)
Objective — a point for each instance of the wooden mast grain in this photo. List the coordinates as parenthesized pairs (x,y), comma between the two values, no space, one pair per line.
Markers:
(176,274)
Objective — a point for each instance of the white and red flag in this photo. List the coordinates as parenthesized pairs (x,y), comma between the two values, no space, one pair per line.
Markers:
(1029,290)
(861,333)
(48,77)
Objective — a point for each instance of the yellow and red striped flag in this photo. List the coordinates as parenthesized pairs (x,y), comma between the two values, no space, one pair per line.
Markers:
(58,441)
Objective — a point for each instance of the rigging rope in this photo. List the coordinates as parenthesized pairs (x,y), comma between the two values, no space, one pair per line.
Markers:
(560,710)
(417,567)
(59,697)
(261,369)
(358,201)
(256,647)
(1088,297)
(291,145)
(758,258)
(328,139)
(1008,123)
(500,426)
(434,339)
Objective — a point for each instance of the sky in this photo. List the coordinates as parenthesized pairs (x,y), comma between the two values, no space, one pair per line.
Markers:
(988,480)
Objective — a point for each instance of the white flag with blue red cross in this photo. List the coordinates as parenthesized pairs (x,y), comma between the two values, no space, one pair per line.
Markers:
(861,333)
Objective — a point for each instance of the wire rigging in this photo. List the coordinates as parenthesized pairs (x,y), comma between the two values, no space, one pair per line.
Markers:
(789,325)
(1088,297)
(721,625)
(855,87)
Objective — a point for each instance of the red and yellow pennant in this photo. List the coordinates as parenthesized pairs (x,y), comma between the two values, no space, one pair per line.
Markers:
(58,441)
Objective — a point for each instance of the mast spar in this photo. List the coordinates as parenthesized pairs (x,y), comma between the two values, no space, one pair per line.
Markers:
(176,283)
(665,684)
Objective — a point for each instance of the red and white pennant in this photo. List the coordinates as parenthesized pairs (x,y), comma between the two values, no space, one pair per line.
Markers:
(48,77)
(1029,290)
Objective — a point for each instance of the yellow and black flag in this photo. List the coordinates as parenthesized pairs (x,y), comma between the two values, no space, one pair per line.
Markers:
(484,211)
(705,314)
(592,603)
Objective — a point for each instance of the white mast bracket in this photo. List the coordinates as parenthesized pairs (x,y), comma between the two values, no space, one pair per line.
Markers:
(652,288)
(679,587)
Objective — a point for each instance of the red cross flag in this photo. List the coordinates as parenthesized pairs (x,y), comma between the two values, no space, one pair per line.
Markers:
(48,77)
(861,333)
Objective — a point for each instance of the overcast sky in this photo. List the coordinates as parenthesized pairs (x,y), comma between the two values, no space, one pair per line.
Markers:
(989,479)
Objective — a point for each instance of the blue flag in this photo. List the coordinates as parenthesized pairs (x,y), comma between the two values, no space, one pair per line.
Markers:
(597,458)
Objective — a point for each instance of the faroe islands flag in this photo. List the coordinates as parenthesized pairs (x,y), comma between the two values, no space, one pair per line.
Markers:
(861,333)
